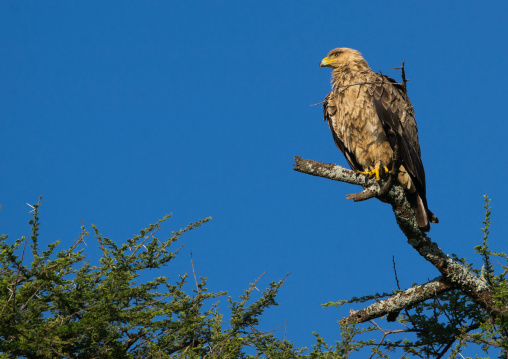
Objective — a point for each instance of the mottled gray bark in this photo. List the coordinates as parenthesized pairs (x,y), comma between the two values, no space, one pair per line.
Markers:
(400,301)
(457,275)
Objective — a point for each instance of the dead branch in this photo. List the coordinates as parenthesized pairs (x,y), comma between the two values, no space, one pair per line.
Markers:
(403,75)
(402,300)
(458,275)
(338,173)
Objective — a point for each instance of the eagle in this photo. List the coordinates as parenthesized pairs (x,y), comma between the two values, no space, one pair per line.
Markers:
(368,113)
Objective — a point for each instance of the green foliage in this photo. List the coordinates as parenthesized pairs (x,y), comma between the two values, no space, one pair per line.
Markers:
(62,306)
(494,332)
(343,348)
(446,324)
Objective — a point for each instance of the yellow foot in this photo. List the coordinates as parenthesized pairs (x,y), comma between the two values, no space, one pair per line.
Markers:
(375,171)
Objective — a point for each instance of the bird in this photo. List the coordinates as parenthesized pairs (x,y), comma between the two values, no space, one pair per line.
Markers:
(368,113)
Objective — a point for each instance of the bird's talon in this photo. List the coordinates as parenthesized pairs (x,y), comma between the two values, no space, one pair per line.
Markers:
(374,172)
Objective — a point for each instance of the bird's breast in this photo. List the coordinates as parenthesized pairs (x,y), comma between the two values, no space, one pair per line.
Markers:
(361,131)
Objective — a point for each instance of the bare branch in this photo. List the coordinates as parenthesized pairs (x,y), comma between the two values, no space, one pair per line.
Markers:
(194,273)
(473,286)
(395,272)
(406,299)
(403,75)
(331,171)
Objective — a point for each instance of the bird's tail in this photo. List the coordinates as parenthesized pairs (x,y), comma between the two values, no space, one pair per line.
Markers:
(424,217)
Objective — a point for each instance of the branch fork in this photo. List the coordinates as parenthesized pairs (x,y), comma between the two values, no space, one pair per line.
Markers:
(453,274)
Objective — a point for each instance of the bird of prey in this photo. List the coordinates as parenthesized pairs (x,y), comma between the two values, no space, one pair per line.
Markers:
(368,113)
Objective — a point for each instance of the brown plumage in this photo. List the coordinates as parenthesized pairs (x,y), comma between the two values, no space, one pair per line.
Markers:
(361,110)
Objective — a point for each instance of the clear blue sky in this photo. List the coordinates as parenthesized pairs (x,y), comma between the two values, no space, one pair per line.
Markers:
(119,112)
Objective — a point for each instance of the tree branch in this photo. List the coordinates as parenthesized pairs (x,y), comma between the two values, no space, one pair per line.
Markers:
(475,287)
(402,300)
(338,173)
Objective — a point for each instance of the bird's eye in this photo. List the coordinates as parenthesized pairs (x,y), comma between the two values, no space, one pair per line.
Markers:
(335,54)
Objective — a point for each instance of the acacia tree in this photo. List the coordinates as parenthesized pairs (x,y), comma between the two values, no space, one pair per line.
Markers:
(60,305)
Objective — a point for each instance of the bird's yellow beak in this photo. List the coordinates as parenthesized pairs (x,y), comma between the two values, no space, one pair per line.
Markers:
(325,62)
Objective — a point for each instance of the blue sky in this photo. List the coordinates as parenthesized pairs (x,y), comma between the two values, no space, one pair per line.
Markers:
(121,112)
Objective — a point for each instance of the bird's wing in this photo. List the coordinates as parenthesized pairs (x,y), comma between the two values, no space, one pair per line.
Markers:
(330,114)
(396,112)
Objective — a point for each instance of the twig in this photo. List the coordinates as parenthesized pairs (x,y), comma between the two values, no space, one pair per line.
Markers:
(392,316)
(194,273)
(395,271)
(345,87)
(315,104)
(385,334)
(403,75)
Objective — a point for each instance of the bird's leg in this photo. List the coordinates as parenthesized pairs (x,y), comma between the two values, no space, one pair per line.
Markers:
(376,171)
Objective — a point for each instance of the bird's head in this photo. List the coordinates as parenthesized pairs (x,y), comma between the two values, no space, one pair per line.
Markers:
(340,57)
